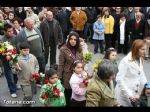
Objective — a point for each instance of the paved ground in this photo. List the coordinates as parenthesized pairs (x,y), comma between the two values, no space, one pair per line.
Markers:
(6,100)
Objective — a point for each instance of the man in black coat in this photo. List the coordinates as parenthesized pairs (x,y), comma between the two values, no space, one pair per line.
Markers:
(52,36)
(136,28)
(63,18)
(92,16)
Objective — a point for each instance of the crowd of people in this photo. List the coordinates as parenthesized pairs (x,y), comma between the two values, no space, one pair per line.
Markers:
(37,32)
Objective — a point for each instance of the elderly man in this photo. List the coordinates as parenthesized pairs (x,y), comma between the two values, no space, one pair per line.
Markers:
(34,38)
(136,27)
(30,13)
(52,36)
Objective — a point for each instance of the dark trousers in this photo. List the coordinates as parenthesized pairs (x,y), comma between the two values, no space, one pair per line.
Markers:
(68,93)
(52,49)
(10,77)
(114,38)
(100,43)
(41,61)
(108,41)
(88,31)
(75,103)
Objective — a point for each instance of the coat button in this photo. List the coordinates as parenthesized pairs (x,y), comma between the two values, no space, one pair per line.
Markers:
(136,91)
(137,85)
(139,73)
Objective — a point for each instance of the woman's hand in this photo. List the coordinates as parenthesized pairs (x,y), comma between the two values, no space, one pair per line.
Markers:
(134,98)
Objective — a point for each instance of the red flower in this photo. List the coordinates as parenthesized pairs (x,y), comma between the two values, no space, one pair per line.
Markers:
(43,96)
(10,50)
(14,51)
(85,82)
(46,81)
(35,76)
(57,91)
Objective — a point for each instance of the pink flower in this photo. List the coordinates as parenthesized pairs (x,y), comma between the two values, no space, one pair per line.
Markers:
(7,58)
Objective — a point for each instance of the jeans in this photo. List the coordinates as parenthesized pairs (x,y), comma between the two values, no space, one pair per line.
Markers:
(10,77)
(101,44)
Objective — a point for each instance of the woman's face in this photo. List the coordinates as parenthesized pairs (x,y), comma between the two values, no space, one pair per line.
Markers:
(11,16)
(147,92)
(113,56)
(16,24)
(110,78)
(73,40)
(142,51)
(106,13)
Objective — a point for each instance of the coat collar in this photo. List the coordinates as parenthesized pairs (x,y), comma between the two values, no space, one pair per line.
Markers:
(134,63)
(104,88)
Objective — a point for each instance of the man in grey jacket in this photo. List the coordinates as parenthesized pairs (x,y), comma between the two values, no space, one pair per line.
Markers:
(34,38)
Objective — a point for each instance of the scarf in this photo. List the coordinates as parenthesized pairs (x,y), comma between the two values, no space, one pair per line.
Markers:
(25,58)
(122,31)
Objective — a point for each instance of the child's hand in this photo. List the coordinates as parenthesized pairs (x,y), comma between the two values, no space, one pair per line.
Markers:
(17,67)
(46,104)
(82,85)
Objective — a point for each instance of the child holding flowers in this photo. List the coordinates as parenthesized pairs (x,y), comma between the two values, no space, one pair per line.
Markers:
(78,83)
(52,92)
(26,67)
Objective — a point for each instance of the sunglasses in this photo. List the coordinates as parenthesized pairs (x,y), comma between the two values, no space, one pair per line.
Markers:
(148,85)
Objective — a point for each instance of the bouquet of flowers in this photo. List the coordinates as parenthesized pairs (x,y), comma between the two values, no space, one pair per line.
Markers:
(97,64)
(87,56)
(8,53)
(39,77)
(50,91)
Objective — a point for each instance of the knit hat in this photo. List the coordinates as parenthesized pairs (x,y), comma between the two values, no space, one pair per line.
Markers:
(148,85)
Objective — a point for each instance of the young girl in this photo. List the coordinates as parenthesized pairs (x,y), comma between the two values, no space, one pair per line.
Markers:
(144,100)
(111,54)
(78,85)
(57,99)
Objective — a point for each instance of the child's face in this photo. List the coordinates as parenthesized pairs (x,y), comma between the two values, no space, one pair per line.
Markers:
(53,79)
(147,92)
(79,68)
(113,56)
(25,52)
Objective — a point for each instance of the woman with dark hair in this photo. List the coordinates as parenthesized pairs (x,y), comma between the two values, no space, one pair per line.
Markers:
(69,53)
(131,78)
(100,91)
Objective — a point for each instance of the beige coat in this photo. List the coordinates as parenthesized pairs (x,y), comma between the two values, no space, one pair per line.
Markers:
(99,94)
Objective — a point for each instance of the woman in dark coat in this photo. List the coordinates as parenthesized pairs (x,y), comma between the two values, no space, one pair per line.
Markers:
(69,53)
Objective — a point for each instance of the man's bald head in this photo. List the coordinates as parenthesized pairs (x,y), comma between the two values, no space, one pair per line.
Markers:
(49,15)
(29,23)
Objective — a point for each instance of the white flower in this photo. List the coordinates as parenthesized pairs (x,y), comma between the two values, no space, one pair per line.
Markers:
(10,47)
(42,75)
(61,94)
